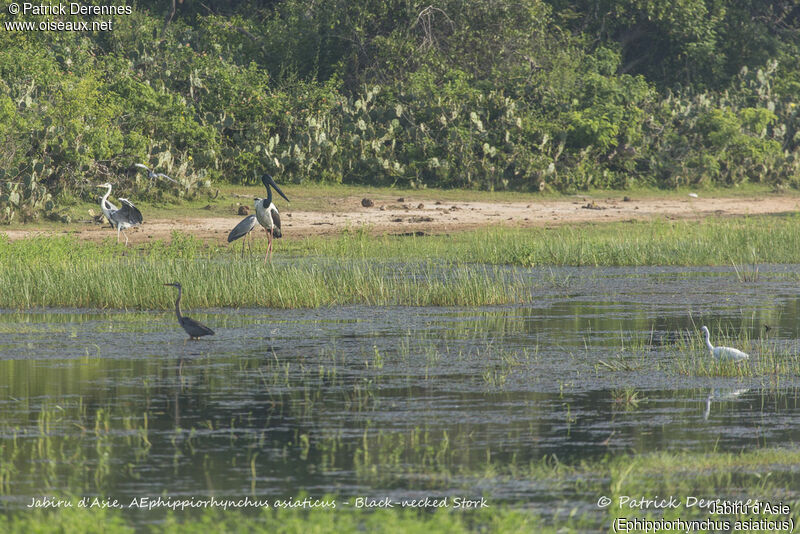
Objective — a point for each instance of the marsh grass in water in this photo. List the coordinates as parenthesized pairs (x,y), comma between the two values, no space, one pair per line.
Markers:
(710,241)
(767,358)
(282,521)
(627,398)
(766,472)
(135,282)
(356,267)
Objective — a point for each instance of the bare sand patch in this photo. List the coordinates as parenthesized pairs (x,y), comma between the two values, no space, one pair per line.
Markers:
(426,216)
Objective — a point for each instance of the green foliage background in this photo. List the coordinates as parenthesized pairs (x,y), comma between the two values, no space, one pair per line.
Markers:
(522,95)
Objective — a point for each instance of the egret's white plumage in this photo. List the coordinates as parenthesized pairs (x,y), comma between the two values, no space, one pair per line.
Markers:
(723,353)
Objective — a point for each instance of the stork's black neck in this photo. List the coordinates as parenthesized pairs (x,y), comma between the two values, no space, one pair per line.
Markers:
(268,200)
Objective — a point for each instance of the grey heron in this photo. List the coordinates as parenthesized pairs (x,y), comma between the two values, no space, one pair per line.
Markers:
(723,353)
(107,207)
(242,229)
(127,216)
(195,329)
(267,214)
(152,174)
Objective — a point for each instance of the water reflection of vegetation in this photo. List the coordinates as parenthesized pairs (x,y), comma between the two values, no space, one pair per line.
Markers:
(433,410)
(765,474)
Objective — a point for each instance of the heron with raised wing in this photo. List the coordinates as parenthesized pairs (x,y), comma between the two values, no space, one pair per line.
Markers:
(723,353)
(151,174)
(267,214)
(195,329)
(243,229)
(128,216)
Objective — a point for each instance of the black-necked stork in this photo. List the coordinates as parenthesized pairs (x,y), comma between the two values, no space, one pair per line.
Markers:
(195,329)
(267,214)
(242,229)
(127,216)
(151,174)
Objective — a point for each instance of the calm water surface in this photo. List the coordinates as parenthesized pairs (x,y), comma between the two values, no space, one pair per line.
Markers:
(386,400)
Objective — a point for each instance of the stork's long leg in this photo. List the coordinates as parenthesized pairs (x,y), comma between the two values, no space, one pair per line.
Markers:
(268,255)
(269,237)
(118,230)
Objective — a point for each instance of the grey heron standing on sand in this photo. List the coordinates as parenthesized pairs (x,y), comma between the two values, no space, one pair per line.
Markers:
(267,214)
(152,174)
(243,229)
(127,216)
(195,329)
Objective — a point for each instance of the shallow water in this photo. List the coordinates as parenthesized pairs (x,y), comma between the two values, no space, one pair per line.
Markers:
(380,401)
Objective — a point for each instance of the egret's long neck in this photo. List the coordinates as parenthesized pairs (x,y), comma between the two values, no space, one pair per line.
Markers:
(178,305)
(708,341)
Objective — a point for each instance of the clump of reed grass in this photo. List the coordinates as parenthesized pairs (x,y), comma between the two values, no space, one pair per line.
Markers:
(767,358)
(627,398)
(711,241)
(136,283)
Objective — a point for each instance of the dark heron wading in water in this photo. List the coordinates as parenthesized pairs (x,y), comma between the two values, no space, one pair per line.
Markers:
(195,329)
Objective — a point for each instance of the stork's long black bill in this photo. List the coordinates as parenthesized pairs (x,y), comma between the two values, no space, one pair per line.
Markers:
(268,181)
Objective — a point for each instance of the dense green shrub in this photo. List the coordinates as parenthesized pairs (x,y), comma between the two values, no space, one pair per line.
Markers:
(528,95)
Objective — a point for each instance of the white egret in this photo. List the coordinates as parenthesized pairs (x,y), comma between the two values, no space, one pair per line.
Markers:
(723,353)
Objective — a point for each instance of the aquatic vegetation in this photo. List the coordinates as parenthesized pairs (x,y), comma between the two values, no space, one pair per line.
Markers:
(541,408)
(627,398)
(768,359)
(667,473)
(285,521)
(710,241)
(462,269)
(133,283)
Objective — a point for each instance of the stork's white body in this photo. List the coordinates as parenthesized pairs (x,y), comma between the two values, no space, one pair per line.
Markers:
(265,216)
(724,353)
